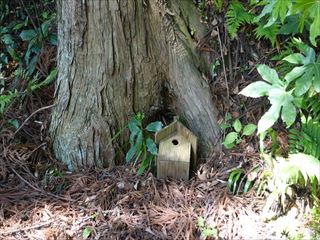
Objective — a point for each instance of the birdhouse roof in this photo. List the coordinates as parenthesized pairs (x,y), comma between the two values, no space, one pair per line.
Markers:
(176,128)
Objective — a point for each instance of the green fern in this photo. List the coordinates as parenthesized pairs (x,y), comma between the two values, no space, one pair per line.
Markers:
(313,107)
(307,139)
(298,169)
(237,15)
(268,33)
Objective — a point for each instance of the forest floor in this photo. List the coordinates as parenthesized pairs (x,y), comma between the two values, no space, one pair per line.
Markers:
(117,204)
(40,199)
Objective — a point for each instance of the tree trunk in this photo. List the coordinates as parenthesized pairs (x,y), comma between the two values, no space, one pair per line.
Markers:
(120,57)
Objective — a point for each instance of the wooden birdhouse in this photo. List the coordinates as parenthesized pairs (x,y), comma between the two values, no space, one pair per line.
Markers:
(177,151)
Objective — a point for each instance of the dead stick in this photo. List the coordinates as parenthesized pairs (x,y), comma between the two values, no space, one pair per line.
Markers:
(40,190)
(32,114)
(27,228)
(223,63)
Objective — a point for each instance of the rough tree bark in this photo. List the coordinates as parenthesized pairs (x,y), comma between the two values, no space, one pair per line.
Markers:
(118,57)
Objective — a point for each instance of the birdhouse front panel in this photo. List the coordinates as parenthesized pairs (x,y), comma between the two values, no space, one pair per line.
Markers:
(174,158)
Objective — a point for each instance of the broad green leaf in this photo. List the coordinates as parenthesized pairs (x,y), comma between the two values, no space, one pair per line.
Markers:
(280,9)
(27,35)
(13,54)
(269,74)
(256,89)
(235,180)
(7,39)
(315,26)
(15,123)
(21,25)
(295,73)
(154,126)
(303,84)
(130,154)
(249,129)
(53,39)
(230,138)
(139,141)
(141,169)
(231,178)
(279,96)
(229,146)
(288,113)
(151,146)
(295,58)
(237,125)
(290,25)
(87,232)
(269,118)
(134,130)
(228,117)
(266,10)
(144,165)
(247,186)
(307,164)
(316,80)
(224,126)
(45,28)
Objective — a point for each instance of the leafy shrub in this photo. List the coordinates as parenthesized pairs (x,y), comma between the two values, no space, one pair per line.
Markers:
(235,137)
(289,93)
(300,11)
(277,17)
(282,101)
(143,147)
(26,35)
(206,231)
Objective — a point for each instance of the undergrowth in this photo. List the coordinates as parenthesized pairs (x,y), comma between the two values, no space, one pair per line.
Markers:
(28,51)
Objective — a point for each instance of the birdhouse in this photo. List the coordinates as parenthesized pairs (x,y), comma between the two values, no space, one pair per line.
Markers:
(177,151)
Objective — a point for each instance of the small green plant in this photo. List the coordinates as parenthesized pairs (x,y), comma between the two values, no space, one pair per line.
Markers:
(298,169)
(306,73)
(235,137)
(268,33)
(288,93)
(282,101)
(54,180)
(206,231)
(237,15)
(87,232)
(5,100)
(218,4)
(143,147)
(236,179)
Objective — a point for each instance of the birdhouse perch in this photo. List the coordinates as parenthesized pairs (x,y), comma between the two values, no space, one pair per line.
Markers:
(177,151)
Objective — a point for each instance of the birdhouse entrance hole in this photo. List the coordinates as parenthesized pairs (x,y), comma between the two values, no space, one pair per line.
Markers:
(175,142)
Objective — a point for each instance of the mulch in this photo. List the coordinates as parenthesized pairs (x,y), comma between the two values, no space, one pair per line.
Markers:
(117,204)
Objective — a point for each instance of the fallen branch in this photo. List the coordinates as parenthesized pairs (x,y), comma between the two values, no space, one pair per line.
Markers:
(32,114)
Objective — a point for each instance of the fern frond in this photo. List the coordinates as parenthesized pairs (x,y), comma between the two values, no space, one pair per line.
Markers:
(314,107)
(269,33)
(295,141)
(306,140)
(311,136)
(237,15)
